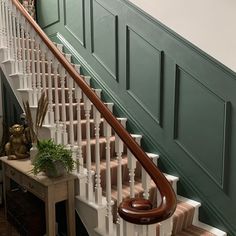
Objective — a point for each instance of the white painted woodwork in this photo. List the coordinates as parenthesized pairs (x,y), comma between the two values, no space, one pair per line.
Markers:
(79,158)
(89,183)
(49,58)
(119,148)
(58,134)
(38,71)
(63,105)
(71,113)
(97,122)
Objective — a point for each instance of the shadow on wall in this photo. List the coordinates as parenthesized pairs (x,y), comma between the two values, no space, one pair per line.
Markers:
(10,111)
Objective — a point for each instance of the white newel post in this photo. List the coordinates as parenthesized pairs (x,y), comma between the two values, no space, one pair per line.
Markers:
(166,227)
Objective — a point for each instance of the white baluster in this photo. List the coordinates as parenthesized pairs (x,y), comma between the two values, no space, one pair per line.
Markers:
(19,48)
(4,30)
(33,74)
(1,25)
(23,47)
(129,229)
(107,134)
(8,55)
(43,64)
(15,46)
(28,68)
(119,148)
(78,97)
(63,105)
(4,24)
(132,166)
(97,122)
(79,156)
(58,134)
(50,97)
(89,183)
(10,29)
(71,113)
(38,43)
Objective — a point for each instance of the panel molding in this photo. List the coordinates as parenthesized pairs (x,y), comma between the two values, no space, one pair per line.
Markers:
(99,60)
(226,129)
(158,119)
(81,41)
(56,20)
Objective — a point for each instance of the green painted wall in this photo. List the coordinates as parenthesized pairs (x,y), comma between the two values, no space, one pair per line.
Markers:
(182,100)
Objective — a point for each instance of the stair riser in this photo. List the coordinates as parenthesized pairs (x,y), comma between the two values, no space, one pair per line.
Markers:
(83,130)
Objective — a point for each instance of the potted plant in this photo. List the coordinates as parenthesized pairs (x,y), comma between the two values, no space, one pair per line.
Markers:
(53,159)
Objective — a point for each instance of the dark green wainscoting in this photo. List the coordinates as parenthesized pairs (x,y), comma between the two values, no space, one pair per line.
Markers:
(179,98)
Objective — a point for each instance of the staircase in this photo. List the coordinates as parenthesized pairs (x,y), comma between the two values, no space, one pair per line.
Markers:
(112,169)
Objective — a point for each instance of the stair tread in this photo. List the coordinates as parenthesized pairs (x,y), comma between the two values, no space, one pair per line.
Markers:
(193,230)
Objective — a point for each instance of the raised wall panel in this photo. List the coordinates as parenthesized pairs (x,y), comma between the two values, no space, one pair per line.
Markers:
(104,37)
(144,73)
(48,12)
(201,124)
(75,10)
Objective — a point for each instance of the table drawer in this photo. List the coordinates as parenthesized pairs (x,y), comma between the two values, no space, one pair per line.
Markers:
(34,187)
(13,174)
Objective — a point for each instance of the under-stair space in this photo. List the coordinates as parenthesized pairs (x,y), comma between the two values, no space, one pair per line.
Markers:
(107,170)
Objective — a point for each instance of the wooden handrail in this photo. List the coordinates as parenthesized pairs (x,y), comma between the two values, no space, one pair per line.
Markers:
(138,211)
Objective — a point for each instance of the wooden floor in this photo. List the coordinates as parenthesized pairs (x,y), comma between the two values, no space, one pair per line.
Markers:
(5,228)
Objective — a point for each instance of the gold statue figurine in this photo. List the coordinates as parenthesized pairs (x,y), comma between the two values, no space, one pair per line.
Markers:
(16,148)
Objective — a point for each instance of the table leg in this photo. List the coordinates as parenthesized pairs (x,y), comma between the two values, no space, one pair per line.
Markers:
(6,187)
(50,212)
(70,209)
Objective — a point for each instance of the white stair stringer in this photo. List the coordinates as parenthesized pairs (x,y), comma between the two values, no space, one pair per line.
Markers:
(91,214)
(6,67)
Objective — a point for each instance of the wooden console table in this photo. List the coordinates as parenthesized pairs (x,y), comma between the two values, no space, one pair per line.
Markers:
(49,190)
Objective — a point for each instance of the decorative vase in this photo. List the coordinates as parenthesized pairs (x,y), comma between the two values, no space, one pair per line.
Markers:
(33,152)
(57,170)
